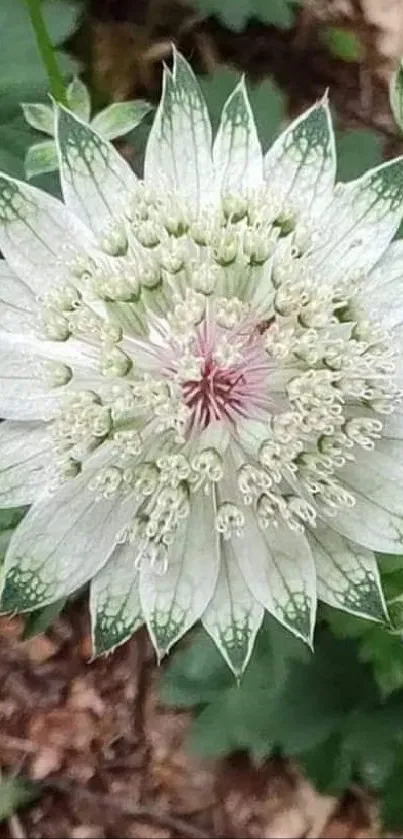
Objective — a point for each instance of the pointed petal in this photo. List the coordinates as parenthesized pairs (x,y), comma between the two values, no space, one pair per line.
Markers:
(279,570)
(61,543)
(78,99)
(96,180)
(24,454)
(119,118)
(361,221)
(38,236)
(237,153)
(233,616)
(348,575)
(172,602)
(115,601)
(178,154)
(376,481)
(300,167)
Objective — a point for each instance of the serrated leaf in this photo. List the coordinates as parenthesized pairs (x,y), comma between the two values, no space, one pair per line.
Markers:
(41,158)
(15,792)
(120,117)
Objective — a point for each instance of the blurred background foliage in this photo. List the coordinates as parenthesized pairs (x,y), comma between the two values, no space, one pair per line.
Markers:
(337,712)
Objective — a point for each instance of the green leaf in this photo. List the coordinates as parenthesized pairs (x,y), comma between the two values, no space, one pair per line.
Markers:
(78,99)
(39,116)
(120,118)
(41,158)
(236,15)
(357,151)
(40,621)
(15,792)
(21,70)
(392,799)
(396,96)
(342,43)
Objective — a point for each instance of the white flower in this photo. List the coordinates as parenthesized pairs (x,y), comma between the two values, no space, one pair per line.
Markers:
(201,376)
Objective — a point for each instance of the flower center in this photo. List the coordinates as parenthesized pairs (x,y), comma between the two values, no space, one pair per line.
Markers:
(218,393)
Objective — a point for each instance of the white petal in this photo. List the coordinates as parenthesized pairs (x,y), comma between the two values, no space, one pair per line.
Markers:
(17,302)
(300,167)
(96,180)
(60,544)
(178,154)
(38,236)
(115,601)
(361,221)
(279,570)
(24,454)
(237,153)
(382,294)
(172,602)
(376,481)
(348,576)
(233,616)
(24,380)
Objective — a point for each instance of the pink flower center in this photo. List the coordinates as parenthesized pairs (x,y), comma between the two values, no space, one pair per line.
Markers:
(228,392)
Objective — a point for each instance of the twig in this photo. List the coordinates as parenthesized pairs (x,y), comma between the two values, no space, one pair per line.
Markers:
(138,811)
(46,50)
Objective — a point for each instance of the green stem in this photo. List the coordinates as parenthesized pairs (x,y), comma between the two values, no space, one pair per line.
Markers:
(46,51)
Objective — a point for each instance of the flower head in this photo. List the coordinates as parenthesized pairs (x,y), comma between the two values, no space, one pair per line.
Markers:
(201,376)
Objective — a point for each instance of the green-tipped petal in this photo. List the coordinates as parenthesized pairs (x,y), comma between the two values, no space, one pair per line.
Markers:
(347,574)
(119,118)
(115,601)
(173,601)
(237,153)
(358,226)
(178,154)
(278,566)
(300,167)
(61,543)
(38,235)
(233,616)
(96,180)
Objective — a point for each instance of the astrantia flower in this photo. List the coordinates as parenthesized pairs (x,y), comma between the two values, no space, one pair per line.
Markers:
(201,377)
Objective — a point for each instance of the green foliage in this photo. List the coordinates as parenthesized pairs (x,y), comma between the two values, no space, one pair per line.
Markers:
(357,151)
(15,792)
(22,76)
(8,522)
(323,709)
(342,43)
(267,100)
(396,96)
(236,13)
(40,620)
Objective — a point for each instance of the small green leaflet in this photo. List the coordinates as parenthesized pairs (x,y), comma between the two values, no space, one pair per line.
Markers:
(15,792)
(236,15)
